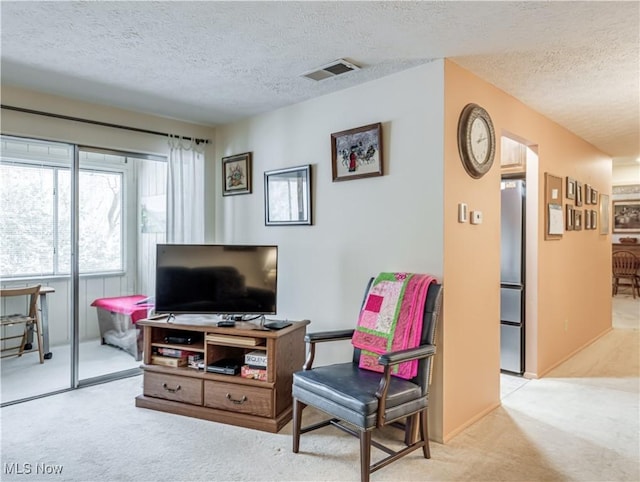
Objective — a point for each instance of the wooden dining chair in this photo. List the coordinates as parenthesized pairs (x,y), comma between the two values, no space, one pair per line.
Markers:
(625,266)
(26,319)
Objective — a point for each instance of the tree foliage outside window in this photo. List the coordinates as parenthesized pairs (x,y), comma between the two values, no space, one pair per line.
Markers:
(35,220)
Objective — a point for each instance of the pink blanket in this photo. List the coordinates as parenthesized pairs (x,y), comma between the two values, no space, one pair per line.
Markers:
(126,305)
(391,320)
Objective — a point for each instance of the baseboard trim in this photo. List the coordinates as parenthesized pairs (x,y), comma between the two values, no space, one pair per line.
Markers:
(449,435)
(573,353)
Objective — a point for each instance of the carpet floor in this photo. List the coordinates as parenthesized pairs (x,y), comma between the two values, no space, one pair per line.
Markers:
(578,423)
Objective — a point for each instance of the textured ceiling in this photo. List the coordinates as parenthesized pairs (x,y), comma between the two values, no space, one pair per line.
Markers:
(577,63)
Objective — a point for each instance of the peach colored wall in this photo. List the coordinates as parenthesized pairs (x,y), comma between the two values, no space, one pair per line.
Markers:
(573,273)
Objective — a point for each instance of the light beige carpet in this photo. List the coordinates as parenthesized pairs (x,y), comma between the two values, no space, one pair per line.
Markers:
(581,422)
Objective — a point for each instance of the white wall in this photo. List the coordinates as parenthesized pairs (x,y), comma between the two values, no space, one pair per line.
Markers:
(361,227)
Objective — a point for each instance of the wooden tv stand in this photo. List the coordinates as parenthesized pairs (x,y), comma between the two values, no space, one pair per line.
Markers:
(262,405)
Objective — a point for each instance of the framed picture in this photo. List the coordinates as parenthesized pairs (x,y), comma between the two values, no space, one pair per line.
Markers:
(357,153)
(287,196)
(577,219)
(587,194)
(571,188)
(236,174)
(587,218)
(578,193)
(569,216)
(626,216)
(594,196)
(594,219)
(604,214)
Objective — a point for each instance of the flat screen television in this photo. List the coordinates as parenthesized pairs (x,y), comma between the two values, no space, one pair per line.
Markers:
(216,278)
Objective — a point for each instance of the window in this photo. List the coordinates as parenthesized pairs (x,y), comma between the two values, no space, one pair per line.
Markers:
(35,211)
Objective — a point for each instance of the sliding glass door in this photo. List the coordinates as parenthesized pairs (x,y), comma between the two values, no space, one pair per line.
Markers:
(106,206)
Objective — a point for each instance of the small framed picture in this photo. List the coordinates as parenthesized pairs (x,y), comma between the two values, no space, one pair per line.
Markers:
(594,196)
(569,216)
(287,196)
(587,219)
(236,174)
(587,194)
(571,188)
(578,193)
(604,214)
(594,219)
(357,153)
(577,219)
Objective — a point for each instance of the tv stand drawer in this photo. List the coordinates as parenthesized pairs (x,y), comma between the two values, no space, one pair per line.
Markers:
(173,387)
(238,398)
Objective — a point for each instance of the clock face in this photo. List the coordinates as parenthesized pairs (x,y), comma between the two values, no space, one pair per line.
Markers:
(476,140)
(479,140)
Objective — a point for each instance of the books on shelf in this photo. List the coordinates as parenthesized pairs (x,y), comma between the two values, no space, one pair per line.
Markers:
(256,359)
(167,361)
(234,340)
(255,373)
(172,352)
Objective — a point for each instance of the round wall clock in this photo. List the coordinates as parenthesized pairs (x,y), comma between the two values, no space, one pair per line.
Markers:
(476,140)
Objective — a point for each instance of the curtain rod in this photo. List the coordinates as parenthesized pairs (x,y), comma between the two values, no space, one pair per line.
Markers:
(98,123)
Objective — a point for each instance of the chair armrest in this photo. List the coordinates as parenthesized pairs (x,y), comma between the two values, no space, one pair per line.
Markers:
(322,336)
(395,357)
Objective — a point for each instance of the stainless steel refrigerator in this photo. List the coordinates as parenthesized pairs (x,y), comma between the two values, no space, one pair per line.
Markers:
(512,276)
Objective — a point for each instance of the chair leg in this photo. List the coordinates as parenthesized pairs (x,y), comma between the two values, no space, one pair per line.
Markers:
(39,336)
(297,421)
(365,455)
(23,340)
(424,433)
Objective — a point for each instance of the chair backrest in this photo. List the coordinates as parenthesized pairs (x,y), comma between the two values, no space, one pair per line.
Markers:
(624,263)
(31,291)
(431,316)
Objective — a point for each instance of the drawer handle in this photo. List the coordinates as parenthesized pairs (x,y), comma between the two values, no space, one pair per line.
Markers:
(237,402)
(171,390)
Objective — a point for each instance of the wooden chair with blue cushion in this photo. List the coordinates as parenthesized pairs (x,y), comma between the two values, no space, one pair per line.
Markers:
(358,400)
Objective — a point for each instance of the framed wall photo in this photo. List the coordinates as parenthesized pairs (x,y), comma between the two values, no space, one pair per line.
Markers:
(236,174)
(587,219)
(578,193)
(626,216)
(287,196)
(571,188)
(357,153)
(594,196)
(577,220)
(587,194)
(569,216)
(604,214)
(594,219)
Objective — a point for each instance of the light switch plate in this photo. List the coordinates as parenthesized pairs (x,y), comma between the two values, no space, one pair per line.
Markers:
(463,213)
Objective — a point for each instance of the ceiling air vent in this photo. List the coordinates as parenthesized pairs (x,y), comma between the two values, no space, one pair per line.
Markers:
(337,67)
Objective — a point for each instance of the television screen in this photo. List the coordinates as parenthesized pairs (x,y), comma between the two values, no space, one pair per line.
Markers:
(219,279)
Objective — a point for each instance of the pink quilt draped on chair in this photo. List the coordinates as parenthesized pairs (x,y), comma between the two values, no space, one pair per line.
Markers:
(391,319)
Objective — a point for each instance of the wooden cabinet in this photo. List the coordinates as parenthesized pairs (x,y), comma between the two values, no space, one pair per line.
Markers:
(258,404)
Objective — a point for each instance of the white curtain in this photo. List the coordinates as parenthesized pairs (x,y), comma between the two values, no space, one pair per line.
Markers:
(185,192)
